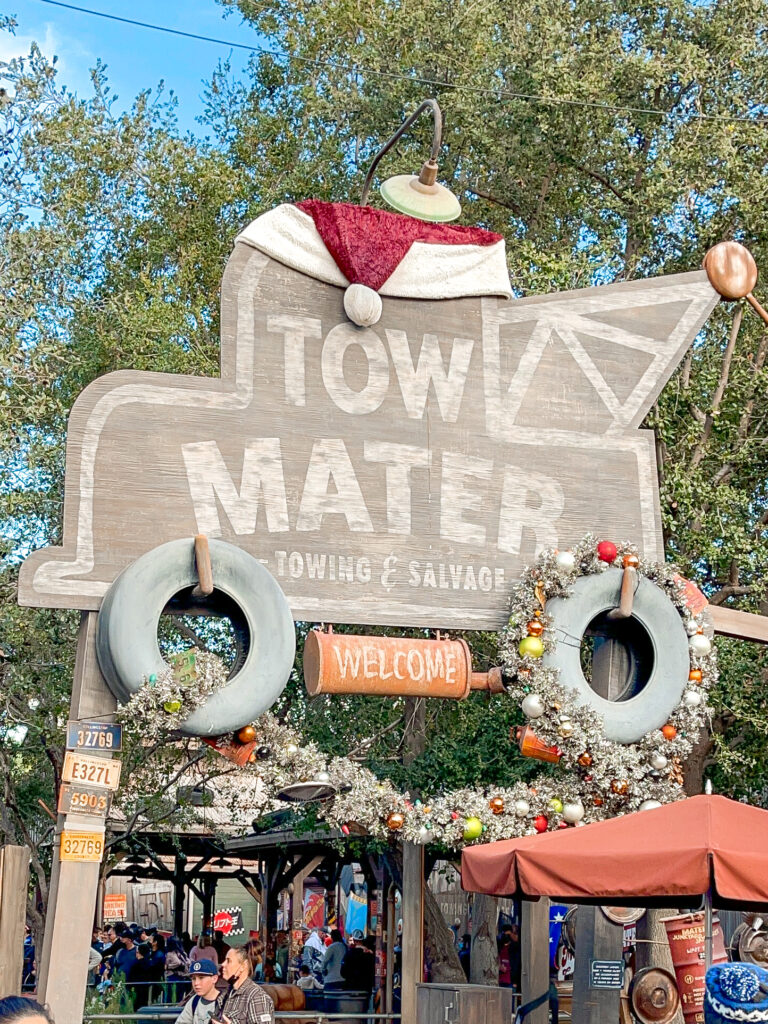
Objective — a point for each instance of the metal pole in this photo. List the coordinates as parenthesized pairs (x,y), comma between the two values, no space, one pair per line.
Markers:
(708,929)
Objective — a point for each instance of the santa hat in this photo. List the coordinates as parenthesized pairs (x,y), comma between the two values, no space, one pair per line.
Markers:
(736,992)
(373,252)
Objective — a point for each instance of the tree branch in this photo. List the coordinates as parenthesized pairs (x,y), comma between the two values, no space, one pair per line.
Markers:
(725,369)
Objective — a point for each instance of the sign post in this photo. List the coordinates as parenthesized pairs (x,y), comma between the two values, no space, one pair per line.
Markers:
(77,850)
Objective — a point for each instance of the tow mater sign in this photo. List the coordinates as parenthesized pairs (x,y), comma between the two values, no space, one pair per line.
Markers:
(401,472)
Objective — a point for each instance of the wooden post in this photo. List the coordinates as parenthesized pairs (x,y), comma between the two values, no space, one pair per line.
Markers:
(412,973)
(534,951)
(63,974)
(14,879)
(597,938)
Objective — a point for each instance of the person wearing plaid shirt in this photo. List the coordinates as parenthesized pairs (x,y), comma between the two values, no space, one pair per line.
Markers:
(243,1002)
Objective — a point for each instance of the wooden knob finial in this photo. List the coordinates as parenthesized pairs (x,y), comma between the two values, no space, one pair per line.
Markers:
(731,270)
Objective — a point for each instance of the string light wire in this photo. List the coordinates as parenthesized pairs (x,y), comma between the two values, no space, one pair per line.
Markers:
(499,94)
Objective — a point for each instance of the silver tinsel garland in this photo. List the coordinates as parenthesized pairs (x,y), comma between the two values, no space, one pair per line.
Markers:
(595,778)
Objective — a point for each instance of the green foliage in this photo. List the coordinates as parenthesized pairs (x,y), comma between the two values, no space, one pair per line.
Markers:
(606,141)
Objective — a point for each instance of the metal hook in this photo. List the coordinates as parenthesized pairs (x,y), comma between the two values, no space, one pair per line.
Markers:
(428,172)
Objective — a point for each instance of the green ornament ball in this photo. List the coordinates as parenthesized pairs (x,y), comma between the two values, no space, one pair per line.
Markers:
(172,706)
(556,805)
(473,829)
(152,679)
(531,646)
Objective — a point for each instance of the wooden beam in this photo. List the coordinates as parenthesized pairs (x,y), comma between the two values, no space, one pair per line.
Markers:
(534,949)
(412,973)
(14,882)
(63,972)
(598,939)
(741,625)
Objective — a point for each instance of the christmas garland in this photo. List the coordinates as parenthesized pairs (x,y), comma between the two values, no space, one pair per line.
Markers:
(598,778)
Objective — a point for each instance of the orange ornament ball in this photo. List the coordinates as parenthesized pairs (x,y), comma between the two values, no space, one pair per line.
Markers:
(395,821)
(620,788)
(585,759)
(631,561)
(535,627)
(669,731)
(496,804)
(247,734)
(597,801)
(695,675)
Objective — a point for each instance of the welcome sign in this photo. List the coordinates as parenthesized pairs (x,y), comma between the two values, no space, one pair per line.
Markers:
(402,473)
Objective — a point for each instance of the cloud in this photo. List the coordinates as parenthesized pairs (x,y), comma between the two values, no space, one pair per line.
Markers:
(74,59)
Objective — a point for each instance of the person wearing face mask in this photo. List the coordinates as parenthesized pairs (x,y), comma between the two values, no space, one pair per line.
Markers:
(244,1002)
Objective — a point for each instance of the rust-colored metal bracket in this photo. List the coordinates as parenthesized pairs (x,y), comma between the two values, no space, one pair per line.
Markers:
(204,587)
(732,272)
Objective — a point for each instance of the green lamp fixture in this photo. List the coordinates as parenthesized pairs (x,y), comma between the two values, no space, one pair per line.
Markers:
(417,195)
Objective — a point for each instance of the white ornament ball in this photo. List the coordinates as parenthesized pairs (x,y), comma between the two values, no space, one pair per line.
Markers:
(691,698)
(658,761)
(522,808)
(565,560)
(362,305)
(424,835)
(649,805)
(700,644)
(533,706)
(323,777)
(573,811)
(565,729)
(692,626)
(291,749)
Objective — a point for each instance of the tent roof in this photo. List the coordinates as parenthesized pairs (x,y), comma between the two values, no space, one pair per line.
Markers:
(677,850)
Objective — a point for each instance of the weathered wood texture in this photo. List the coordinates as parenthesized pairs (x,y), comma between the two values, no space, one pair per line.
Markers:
(597,938)
(63,966)
(412,971)
(652,948)
(463,1004)
(484,958)
(534,950)
(742,625)
(400,474)
(14,880)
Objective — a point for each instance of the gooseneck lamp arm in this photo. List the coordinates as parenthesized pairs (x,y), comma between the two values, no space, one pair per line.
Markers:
(428,172)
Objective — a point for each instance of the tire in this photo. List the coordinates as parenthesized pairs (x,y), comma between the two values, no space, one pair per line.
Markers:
(126,640)
(625,721)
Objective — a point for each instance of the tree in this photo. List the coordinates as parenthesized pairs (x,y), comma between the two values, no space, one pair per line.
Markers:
(606,142)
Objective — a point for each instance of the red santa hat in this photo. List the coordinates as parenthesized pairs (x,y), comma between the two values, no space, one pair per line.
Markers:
(373,252)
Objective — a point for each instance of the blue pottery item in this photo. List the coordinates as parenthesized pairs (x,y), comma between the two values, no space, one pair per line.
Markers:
(736,992)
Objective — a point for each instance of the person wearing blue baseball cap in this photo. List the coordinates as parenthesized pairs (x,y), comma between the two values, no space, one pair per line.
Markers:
(199,1009)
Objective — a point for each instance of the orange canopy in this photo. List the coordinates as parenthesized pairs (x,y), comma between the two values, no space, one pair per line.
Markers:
(680,850)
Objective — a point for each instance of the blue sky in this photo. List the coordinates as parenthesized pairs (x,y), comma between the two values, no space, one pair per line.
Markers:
(137,58)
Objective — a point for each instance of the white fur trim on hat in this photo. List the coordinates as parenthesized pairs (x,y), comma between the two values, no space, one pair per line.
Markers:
(427,271)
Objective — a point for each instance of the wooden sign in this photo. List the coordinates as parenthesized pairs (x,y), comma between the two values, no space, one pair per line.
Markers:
(82,846)
(95,736)
(101,772)
(77,799)
(398,474)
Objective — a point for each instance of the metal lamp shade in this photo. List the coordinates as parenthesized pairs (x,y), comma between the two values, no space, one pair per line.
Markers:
(306,792)
(406,194)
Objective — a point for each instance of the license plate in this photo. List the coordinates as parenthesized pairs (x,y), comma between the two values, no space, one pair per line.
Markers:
(79,799)
(102,772)
(82,846)
(94,736)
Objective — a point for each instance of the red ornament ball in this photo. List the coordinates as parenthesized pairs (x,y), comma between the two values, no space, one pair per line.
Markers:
(454,816)
(607,551)
(562,824)
(540,823)
(345,829)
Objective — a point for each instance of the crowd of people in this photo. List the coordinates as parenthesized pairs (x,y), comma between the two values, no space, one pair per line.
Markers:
(156,969)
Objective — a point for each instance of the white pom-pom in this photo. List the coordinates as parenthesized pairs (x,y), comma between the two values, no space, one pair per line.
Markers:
(362,305)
